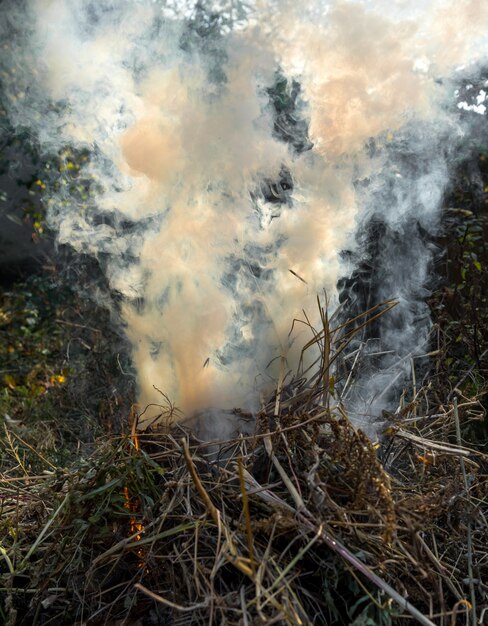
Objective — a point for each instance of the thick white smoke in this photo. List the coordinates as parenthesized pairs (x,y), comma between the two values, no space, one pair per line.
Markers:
(175,113)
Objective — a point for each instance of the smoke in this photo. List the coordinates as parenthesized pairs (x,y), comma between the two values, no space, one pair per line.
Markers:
(174,104)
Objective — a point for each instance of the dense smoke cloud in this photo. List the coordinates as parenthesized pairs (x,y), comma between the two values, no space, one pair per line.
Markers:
(174,108)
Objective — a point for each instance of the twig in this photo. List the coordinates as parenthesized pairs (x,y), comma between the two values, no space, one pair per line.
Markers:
(247,516)
(469,546)
(173,605)
(238,561)
(458,451)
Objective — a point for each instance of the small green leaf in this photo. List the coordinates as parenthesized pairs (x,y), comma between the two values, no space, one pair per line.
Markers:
(101,489)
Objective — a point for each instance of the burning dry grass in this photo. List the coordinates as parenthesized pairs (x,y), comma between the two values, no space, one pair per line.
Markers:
(290,527)
(306,522)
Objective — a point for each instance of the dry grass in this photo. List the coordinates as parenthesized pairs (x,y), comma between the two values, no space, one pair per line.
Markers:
(306,522)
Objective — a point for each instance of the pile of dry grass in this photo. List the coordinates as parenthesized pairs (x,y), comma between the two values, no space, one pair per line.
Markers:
(306,522)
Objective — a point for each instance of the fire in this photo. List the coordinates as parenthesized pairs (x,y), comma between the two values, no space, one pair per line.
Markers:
(131,504)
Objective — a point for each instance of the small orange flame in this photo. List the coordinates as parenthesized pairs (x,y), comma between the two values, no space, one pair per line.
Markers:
(135,527)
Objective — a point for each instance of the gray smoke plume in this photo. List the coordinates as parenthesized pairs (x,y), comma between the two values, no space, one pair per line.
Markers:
(218,215)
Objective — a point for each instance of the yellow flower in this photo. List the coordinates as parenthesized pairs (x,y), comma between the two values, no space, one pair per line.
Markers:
(60,379)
